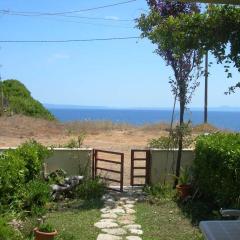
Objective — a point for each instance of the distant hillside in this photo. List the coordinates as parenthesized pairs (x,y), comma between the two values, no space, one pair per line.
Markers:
(18,100)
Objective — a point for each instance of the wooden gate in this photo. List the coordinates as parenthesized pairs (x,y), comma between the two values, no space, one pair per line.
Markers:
(140,167)
(109,166)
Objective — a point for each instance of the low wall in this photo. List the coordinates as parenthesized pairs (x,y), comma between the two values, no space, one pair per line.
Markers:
(75,161)
(163,163)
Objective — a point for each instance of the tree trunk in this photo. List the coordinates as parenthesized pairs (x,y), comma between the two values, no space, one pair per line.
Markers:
(180,141)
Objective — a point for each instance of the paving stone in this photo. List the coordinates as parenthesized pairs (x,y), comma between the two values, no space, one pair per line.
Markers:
(129,206)
(135,231)
(130,202)
(115,231)
(130,211)
(108,237)
(133,238)
(105,210)
(109,215)
(102,225)
(127,217)
(118,210)
(108,220)
(133,226)
(125,222)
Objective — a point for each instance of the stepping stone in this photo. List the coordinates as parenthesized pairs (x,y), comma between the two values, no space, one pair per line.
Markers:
(108,237)
(109,215)
(127,217)
(125,222)
(129,206)
(133,238)
(130,211)
(115,231)
(130,202)
(118,210)
(102,225)
(133,226)
(105,210)
(136,231)
(107,220)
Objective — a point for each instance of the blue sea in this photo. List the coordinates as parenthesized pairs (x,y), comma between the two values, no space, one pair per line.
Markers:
(221,119)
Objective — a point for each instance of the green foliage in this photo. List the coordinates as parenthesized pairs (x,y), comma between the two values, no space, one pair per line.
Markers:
(171,141)
(7,232)
(18,170)
(37,194)
(57,177)
(18,100)
(33,154)
(159,192)
(91,189)
(217,168)
(185,176)
(46,227)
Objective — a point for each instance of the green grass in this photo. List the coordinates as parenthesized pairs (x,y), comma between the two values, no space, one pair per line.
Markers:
(165,221)
(73,220)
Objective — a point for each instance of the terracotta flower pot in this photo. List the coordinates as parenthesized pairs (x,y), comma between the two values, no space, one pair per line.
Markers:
(183,190)
(43,235)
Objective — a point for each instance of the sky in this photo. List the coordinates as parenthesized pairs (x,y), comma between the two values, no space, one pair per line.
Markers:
(122,74)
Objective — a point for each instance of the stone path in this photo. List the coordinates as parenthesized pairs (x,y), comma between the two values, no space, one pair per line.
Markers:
(118,217)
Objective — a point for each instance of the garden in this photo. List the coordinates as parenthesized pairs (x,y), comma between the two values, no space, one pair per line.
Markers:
(28,202)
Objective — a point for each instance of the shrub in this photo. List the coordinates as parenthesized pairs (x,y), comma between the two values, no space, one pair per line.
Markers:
(18,168)
(91,189)
(33,155)
(217,168)
(7,232)
(37,194)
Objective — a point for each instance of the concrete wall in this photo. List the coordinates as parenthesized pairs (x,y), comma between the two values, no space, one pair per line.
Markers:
(163,163)
(74,161)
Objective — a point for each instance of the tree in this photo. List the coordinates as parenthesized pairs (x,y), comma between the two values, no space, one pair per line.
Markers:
(216,30)
(159,28)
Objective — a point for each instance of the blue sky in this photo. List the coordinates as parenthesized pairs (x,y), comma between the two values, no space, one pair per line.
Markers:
(114,74)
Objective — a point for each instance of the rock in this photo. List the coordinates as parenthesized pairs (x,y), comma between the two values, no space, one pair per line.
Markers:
(118,210)
(102,225)
(107,220)
(115,231)
(105,210)
(125,222)
(136,231)
(129,206)
(130,211)
(108,237)
(109,215)
(133,226)
(133,238)
(130,202)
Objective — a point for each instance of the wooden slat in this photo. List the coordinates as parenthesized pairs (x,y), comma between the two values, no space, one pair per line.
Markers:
(110,179)
(106,160)
(139,159)
(108,170)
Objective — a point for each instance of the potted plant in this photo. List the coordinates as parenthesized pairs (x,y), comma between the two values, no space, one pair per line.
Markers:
(45,232)
(184,183)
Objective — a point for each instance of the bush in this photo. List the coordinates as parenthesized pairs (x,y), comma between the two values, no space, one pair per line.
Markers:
(7,232)
(37,194)
(18,168)
(33,155)
(217,168)
(91,189)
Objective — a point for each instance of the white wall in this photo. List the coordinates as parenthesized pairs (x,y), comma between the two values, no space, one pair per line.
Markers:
(163,163)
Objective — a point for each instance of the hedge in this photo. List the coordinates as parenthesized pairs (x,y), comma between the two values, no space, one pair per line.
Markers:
(217,168)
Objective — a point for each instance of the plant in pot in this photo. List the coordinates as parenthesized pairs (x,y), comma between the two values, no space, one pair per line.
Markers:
(184,183)
(45,232)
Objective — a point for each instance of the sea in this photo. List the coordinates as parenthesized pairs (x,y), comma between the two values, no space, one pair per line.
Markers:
(229,120)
